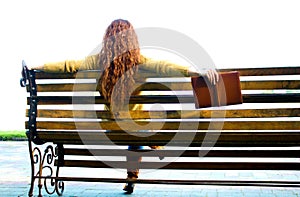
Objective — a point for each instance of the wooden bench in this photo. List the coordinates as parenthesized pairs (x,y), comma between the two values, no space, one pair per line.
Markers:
(65,114)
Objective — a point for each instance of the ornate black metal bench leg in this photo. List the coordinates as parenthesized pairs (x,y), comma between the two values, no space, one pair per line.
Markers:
(30,193)
(43,163)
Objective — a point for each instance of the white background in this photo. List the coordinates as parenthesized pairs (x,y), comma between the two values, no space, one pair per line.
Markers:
(235,33)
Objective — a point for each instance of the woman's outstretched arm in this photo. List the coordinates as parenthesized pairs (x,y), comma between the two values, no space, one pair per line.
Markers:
(166,68)
(70,66)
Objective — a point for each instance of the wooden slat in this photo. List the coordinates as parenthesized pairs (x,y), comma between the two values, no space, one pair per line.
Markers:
(238,124)
(166,86)
(66,87)
(245,85)
(270,85)
(150,99)
(185,165)
(174,114)
(243,72)
(255,71)
(64,100)
(49,100)
(92,74)
(271,98)
(186,153)
(265,71)
(184,139)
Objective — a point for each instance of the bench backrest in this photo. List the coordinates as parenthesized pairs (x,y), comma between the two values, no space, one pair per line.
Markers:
(70,104)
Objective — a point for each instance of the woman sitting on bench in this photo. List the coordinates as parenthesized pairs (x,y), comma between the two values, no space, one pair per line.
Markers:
(119,61)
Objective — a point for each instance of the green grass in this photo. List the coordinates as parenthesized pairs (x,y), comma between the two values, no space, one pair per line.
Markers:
(12,135)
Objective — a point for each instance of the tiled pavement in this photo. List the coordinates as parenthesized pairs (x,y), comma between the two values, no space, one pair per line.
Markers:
(15,176)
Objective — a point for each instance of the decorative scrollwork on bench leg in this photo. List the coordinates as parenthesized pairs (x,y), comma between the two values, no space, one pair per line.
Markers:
(43,169)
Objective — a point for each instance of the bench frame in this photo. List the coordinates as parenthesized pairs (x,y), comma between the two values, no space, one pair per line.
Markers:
(45,157)
(39,159)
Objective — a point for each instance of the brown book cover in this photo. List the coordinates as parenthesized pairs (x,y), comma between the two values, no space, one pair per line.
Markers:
(227,91)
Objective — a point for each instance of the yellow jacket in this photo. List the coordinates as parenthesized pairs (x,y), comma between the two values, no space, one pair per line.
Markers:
(147,65)
(161,68)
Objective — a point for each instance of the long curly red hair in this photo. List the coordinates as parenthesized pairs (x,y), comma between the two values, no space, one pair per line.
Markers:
(119,56)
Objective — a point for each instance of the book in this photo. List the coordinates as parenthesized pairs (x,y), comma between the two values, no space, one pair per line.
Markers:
(227,91)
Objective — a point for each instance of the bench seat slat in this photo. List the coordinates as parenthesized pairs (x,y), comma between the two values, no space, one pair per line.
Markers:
(218,139)
(187,153)
(186,165)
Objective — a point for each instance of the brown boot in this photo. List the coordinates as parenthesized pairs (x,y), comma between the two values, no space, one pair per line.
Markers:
(129,187)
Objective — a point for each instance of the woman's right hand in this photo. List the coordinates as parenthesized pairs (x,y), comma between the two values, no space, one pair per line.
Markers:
(213,76)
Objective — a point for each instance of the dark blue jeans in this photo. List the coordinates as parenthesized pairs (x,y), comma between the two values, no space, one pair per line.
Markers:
(132,172)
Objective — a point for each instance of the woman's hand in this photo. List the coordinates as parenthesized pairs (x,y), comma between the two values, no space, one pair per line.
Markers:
(212,76)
